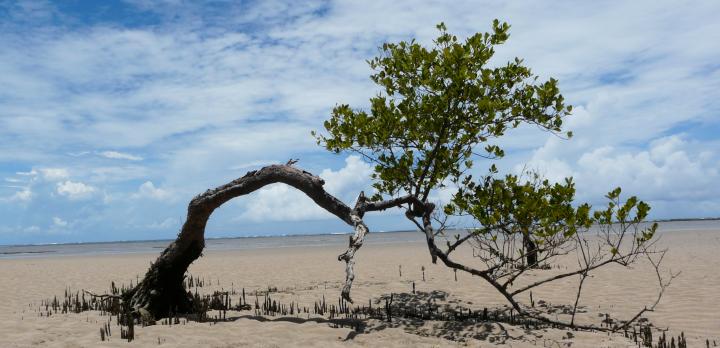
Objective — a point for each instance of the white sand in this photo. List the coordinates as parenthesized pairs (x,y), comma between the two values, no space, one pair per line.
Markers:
(304,274)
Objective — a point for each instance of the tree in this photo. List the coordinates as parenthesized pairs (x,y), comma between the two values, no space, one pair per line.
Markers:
(539,212)
(439,110)
(542,214)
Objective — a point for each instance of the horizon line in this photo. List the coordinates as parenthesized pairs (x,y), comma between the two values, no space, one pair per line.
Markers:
(296,234)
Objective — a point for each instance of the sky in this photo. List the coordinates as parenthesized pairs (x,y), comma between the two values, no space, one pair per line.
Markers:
(114,114)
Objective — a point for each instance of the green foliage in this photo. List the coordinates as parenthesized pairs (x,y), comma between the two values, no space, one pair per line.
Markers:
(544,211)
(438,107)
(512,205)
(630,212)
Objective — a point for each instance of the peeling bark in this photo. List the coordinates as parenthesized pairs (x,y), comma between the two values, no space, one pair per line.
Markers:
(356,241)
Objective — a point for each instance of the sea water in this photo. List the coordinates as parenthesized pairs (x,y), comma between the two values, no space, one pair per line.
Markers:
(245,243)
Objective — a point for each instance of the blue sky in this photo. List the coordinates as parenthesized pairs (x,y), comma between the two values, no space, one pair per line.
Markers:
(115,113)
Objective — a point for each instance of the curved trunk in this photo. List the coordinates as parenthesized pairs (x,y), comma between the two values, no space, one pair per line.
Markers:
(161,289)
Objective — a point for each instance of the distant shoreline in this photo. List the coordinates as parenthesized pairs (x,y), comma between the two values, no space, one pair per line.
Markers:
(211,244)
(687,219)
(287,235)
(207,238)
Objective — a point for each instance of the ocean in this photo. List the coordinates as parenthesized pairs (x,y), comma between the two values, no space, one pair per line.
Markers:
(245,243)
(213,244)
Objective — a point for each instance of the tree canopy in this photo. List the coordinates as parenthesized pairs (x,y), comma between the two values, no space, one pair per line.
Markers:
(439,108)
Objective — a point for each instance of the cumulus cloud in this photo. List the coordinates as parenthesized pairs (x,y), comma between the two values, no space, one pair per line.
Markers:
(665,171)
(120,155)
(75,190)
(354,175)
(670,169)
(148,190)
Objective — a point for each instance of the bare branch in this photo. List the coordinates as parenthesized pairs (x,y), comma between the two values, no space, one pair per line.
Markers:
(356,242)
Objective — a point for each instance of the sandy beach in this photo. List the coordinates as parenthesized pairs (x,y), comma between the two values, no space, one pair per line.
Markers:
(306,274)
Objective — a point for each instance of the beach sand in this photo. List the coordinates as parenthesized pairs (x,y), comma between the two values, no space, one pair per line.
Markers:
(304,275)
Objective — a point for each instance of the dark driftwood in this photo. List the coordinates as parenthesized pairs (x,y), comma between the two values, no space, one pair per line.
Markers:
(161,289)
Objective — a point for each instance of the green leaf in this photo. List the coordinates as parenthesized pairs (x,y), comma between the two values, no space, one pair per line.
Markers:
(438,103)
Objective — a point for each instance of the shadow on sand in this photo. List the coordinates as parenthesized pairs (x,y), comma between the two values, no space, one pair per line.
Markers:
(427,314)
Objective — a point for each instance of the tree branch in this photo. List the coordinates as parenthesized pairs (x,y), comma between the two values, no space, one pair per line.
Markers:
(356,242)
(161,288)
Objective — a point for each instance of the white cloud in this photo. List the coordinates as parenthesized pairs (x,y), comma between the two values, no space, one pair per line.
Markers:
(120,155)
(148,190)
(75,190)
(355,174)
(671,169)
(213,156)
(443,195)
(30,173)
(54,174)
(190,95)
(24,195)
(59,222)
(280,202)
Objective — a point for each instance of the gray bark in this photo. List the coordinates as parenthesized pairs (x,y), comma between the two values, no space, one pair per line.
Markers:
(161,289)
(356,242)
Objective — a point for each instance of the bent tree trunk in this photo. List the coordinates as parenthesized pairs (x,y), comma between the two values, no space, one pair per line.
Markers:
(161,290)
